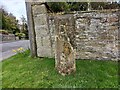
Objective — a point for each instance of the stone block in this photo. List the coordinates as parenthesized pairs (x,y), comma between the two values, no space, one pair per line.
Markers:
(41,31)
(41,19)
(112,19)
(44,48)
(42,52)
(67,60)
(65,52)
(113,27)
(43,41)
(39,9)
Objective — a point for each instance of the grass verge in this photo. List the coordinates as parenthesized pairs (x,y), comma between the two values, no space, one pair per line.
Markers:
(22,71)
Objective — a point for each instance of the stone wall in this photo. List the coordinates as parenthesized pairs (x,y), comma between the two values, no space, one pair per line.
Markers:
(9,37)
(96,34)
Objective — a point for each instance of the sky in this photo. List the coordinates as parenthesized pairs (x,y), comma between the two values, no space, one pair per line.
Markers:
(16,7)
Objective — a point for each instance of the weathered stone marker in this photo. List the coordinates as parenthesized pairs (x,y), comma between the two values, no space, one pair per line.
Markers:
(65,52)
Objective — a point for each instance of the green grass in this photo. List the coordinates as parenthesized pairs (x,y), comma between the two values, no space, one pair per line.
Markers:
(22,71)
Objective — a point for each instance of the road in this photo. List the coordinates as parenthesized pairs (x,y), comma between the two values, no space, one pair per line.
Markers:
(6,48)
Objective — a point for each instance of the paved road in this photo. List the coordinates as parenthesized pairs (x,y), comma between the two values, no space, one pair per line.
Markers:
(7,47)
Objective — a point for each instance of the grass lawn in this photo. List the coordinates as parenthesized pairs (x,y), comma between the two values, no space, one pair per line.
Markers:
(22,71)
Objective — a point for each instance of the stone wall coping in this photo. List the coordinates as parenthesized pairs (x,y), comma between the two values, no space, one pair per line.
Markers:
(81,12)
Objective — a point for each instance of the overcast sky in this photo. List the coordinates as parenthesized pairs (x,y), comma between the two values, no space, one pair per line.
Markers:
(16,7)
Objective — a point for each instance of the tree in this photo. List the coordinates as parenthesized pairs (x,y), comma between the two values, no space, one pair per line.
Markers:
(77,6)
(8,21)
(81,6)
(24,27)
(23,23)
(58,6)
(2,19)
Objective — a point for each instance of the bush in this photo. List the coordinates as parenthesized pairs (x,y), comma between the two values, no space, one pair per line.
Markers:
(20,35)
(58,6)
(4,32)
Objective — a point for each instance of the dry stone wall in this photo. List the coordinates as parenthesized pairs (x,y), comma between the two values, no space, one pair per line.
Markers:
(96,34)
(9,37)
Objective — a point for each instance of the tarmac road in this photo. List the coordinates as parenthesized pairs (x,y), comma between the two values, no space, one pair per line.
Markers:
(7,47)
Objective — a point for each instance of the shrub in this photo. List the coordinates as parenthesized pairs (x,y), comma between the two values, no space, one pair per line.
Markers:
(4,32)
(20,34)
